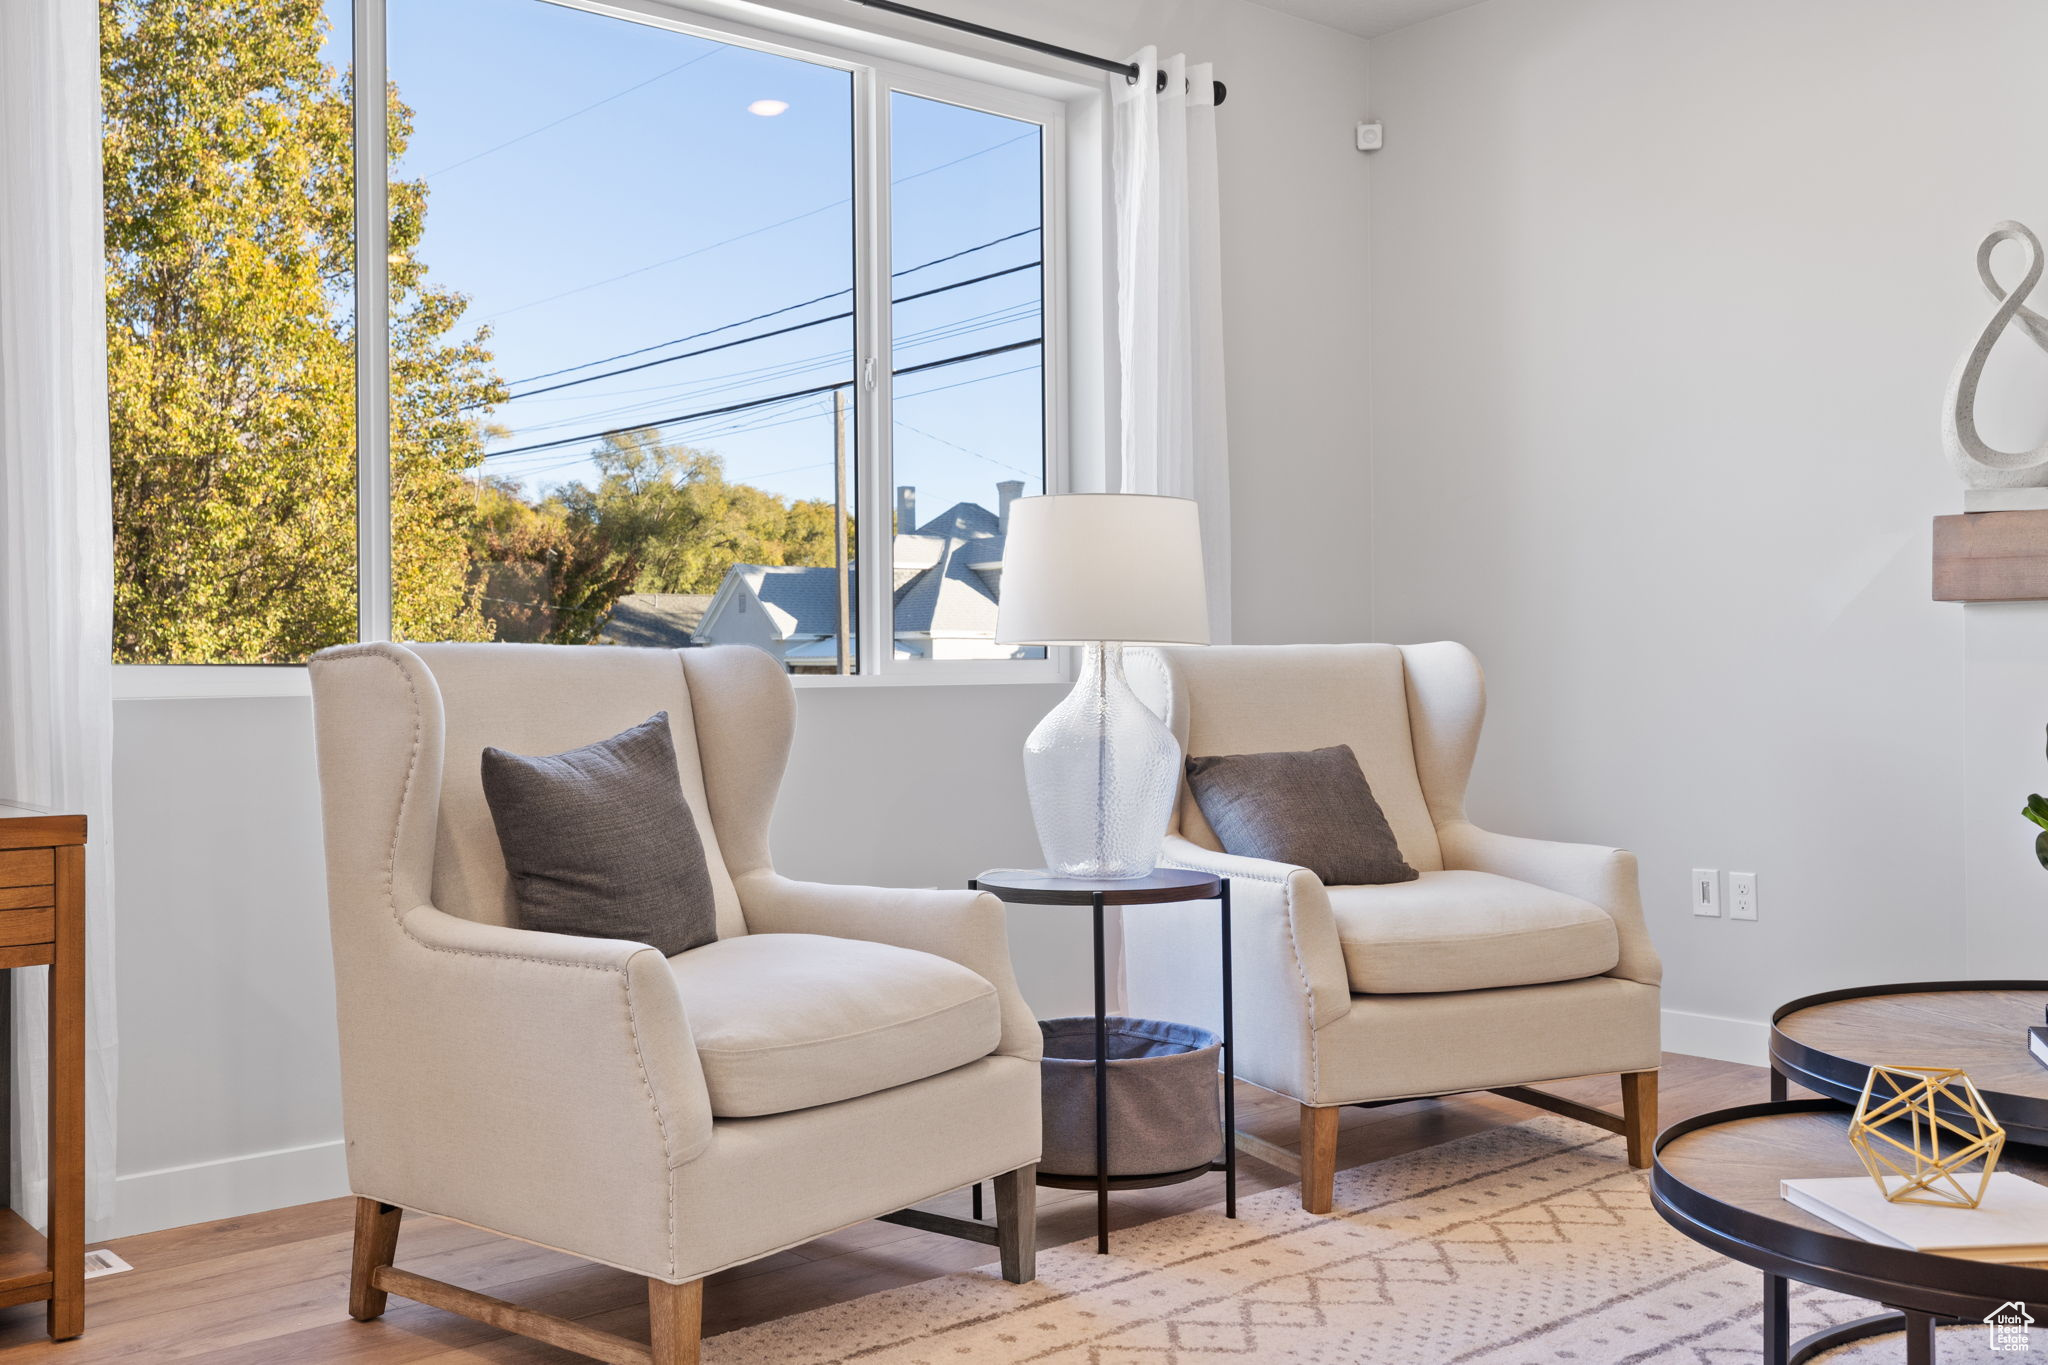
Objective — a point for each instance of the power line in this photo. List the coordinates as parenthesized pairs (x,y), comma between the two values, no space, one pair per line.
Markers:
(990,459)
(576,113)
(672,392)
(758,336)
(824,413)
(962,359)
(773,312)
(961,384)
(670,359)
(665,421)
(818,414)
(750,232)
(741,422)
(758,402)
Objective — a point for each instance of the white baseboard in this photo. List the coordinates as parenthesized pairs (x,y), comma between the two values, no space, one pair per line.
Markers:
(148,1201)
(1710,1035)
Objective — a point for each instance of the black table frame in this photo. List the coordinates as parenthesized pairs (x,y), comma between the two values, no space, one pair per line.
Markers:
(2025,1117)
(1922,1290)
(1099,894)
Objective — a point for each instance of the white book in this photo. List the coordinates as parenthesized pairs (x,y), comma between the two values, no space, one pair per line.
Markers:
(2010,1225)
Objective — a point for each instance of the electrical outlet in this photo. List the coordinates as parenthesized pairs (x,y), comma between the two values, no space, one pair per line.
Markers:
(1742,895)
(1706,892)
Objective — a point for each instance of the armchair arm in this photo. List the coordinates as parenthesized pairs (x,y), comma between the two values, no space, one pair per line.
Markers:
(1287,964)
(1604,876)
(544,1086)
(587,1034)
(1297,933)
(966,927)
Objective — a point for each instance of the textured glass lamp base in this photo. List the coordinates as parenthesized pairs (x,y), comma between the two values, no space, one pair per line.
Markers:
(1102,771)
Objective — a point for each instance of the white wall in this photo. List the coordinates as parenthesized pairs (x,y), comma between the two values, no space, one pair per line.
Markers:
(229,1087)
(2005,702)
(1664,301)
(228,1074)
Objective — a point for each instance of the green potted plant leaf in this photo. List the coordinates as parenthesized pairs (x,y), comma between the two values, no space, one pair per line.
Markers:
(2036,810)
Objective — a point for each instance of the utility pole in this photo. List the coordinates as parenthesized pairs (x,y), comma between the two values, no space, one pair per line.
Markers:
(839,531)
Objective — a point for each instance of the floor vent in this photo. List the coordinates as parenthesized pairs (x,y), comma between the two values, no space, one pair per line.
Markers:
(104,1262)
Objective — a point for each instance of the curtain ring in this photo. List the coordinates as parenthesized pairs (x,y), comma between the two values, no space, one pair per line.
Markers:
(1161,85)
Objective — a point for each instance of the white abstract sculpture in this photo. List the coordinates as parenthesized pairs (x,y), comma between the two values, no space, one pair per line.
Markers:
(1977,464)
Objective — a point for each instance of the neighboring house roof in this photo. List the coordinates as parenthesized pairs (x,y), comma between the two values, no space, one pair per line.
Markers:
(658,620)
(799,601)
(915,554)
(947,576)
(808,597)
(963,519)
(984,555)
(951,598)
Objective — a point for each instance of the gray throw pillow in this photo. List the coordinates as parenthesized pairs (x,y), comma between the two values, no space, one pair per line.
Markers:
(1312,809)
(599,841)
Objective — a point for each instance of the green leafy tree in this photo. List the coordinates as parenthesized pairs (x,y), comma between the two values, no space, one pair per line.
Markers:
(229,239)
(672,510)
(542,577)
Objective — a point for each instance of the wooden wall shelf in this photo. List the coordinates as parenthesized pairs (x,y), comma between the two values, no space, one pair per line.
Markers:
(1991,557)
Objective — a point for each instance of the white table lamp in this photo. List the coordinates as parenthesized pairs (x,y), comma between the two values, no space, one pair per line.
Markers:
(1102,570)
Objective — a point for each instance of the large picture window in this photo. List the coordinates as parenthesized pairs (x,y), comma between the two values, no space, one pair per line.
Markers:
(649,335)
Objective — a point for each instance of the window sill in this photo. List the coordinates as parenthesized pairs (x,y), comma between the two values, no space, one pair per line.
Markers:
(201,682)
(1028,673)
(216,682)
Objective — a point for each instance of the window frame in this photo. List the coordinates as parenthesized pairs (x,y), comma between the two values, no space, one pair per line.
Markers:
(876,74)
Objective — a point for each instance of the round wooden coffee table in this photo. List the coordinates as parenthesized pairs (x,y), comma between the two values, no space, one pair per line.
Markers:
(1829,1042)
(1716,1180)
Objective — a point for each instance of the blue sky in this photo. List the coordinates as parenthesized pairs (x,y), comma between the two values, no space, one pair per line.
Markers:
(599,187)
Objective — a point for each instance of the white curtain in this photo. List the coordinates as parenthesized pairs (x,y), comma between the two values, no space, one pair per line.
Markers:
(1170,302)
(1169,314)
(56,537)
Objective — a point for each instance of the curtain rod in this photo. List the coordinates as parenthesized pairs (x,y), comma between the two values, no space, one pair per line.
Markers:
(1128,70)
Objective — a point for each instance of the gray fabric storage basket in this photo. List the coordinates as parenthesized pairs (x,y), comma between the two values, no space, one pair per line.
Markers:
(1165,1107)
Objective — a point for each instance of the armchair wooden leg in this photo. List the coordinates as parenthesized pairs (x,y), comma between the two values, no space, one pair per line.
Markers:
(376,1245)
(675,1318)
(1318,1158)
(1639,1115)
(1017,1223)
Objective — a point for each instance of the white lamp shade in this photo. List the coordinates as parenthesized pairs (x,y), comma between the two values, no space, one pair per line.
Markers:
(1079,568)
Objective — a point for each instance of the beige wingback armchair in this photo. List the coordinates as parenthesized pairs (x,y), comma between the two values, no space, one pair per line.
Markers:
(1507,962)
(839,1054)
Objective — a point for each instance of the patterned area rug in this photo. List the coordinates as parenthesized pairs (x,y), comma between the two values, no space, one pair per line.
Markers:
(1532,1243)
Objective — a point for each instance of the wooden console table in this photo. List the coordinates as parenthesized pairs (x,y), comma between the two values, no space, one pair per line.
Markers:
(42,923)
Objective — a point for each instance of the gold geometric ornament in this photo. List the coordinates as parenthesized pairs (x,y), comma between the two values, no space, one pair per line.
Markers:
(1932,1117)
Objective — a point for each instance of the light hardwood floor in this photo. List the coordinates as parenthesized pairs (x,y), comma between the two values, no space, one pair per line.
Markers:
(272,1288)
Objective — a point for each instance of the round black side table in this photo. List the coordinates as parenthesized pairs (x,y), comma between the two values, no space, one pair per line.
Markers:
(1717,1181)
(1163,886)
(1829,1042)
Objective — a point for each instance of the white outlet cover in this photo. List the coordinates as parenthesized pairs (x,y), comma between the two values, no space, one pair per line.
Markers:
(1706,892)
(1742,895)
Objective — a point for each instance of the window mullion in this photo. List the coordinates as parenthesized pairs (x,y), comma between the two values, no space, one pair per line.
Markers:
(373,330)
(871,363)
